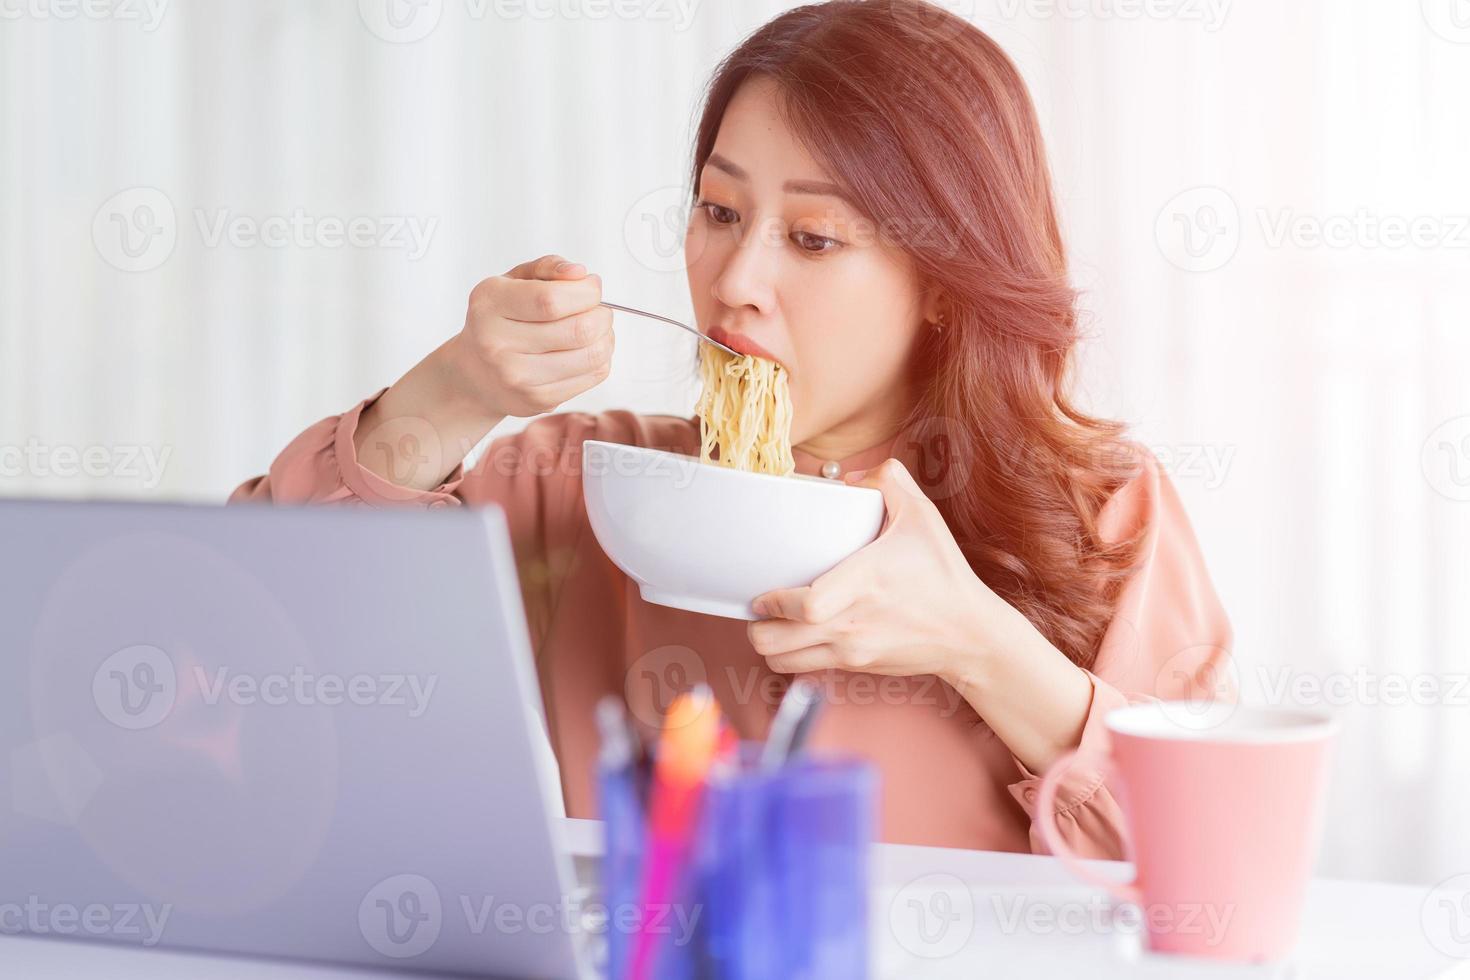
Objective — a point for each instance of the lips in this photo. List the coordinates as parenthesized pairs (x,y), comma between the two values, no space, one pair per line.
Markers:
(740,343)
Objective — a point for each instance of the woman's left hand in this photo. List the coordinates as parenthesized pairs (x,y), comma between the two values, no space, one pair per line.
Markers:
(907,603)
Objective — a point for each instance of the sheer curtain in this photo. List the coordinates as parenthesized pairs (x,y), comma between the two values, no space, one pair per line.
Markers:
(1269,215)
(221,221)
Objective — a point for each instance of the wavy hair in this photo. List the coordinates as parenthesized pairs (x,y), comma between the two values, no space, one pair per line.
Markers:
(928,126)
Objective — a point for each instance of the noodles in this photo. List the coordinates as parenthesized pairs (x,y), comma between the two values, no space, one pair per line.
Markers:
(745,412)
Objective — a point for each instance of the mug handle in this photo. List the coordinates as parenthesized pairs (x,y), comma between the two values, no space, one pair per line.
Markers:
(1124,891)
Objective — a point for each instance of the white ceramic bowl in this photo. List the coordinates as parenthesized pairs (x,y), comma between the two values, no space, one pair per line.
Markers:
(709,538)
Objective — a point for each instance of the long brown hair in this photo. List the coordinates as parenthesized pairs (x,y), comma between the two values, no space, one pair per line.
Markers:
(928,126)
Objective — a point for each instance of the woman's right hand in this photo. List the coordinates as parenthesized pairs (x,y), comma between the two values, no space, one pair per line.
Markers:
(532,339)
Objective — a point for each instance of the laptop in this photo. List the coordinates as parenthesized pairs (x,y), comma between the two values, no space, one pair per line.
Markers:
(308,733)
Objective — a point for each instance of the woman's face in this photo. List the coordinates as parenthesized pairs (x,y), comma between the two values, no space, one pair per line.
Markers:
(780,265)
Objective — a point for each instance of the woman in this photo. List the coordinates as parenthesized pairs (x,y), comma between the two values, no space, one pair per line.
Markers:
(873,210)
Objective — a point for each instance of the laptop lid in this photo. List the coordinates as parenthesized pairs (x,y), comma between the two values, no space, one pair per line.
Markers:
(300,732)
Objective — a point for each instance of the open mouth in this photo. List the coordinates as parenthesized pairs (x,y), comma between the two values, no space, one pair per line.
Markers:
(740,343)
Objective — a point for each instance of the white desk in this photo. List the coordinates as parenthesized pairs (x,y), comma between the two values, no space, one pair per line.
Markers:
(1350,929)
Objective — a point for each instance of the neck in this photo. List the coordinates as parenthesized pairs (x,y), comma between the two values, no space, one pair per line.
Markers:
(864,429)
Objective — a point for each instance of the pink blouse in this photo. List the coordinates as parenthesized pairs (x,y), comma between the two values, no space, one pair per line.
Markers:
(946,779)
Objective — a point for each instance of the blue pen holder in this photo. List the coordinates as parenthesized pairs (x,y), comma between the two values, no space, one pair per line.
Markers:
(776,884)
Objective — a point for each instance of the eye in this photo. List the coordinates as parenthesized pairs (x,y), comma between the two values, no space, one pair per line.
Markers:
(814,244)
(718,213)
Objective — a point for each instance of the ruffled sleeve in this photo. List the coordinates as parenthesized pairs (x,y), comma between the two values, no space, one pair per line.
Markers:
(321,466)
(534,476)
(1169,639)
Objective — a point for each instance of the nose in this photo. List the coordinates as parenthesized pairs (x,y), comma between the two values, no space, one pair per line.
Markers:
(746,280)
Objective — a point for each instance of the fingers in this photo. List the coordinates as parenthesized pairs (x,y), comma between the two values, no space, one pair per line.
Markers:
(895,482)
(548,267)
(541,300)
(830,594)
(593,359)
(803,661)
(553,394)
(783,604)
(533,338)
(576,332)
(889,476)
(771,637)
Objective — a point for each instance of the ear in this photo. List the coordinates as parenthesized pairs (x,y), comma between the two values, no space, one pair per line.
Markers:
(933,304)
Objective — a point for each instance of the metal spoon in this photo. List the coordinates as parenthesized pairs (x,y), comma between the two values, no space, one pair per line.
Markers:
(684,326)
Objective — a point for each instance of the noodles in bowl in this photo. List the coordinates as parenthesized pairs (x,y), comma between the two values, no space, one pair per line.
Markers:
(709,538)
(709,535)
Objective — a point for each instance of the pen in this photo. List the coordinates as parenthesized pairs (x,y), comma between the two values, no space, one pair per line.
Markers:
(642,762)
(727,750)
(618,750)
(622,821)
(686,750)
(792,724)
(726,764)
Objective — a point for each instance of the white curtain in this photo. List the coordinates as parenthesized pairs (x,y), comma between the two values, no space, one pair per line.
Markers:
(222,221)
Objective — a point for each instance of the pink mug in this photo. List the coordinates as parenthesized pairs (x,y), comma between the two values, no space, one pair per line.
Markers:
(1223,806)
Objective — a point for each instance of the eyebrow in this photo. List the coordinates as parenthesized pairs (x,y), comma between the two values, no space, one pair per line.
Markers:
(818,187)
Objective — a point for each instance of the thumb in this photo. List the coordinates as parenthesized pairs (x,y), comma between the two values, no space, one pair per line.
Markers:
(873,478)
(891,479)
